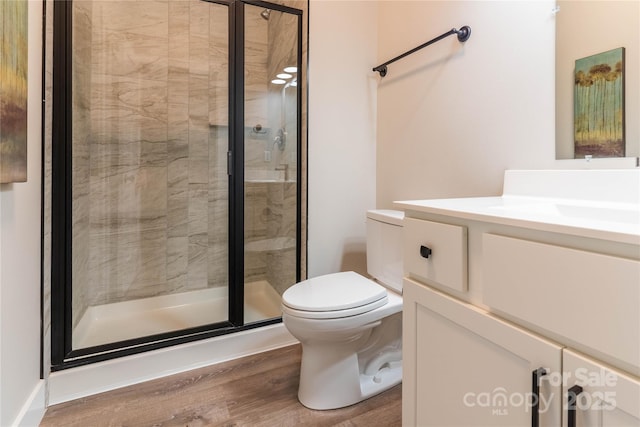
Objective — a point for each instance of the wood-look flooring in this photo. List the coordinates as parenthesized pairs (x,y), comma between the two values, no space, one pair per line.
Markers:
(258,390)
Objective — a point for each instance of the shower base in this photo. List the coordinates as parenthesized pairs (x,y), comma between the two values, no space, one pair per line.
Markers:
(148,316)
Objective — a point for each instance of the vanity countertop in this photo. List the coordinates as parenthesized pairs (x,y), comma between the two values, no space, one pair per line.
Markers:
(607,207)
(618,222)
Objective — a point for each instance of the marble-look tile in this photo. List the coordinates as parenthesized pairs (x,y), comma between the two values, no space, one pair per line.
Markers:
(218,66)
(281,269)
(218,209)
(118,55)
(198,260)
(255,210)
(178,84)
(112,159)
(198,98)
(130,38)
(177,263)
(150,109)
(199,38)
(141,193)
(178,130)
(80,171)
(145,18)
(198,204)
(128,110)
(256,76)
(219,104)
(270,215)
(178,171)
(255,266)
(218,264)
(127,255)
(218,249)
(153,153)
(178,31)
(198,170)
(198,147)
(178,198)
(218,148)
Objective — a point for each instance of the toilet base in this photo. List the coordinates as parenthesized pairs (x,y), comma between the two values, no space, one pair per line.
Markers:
(324,392)
(338,374)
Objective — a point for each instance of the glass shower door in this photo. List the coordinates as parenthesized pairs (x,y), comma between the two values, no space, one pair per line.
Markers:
(272,55)
(149,232)
(176,195)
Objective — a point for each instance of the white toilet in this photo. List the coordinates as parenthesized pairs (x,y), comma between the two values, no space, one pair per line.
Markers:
(350,327)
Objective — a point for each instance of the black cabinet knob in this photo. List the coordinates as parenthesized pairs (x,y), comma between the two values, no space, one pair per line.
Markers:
(425,252)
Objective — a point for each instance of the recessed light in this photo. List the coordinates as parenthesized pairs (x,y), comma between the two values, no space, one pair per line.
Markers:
(278,81)
(284,76)
(290,69)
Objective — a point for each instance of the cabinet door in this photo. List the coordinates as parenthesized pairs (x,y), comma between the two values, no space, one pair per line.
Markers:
(464,367)
(606,397)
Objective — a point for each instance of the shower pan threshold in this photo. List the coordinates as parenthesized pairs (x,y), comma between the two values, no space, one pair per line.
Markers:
(120,321)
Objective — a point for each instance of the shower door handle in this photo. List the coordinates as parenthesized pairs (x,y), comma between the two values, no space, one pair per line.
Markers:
(229,163)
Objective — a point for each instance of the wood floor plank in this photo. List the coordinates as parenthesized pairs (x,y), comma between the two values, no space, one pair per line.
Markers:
(255,391)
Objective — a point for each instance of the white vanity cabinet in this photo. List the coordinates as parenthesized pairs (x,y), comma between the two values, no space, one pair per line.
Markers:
(521,300)
(471,362)
(596,395)
(464,367)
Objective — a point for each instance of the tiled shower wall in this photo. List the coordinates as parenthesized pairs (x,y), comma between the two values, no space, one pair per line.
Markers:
(270,200)
(150,143)
(85,289)
(82,60)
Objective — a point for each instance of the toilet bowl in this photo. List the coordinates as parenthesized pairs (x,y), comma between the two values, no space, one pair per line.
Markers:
(349,326)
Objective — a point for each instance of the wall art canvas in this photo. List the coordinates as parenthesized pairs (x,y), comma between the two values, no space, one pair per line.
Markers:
(13,90)
(599,105)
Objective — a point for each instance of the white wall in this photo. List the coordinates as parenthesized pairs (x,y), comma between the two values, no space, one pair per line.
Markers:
(20,256)
(342,114)
(453,117)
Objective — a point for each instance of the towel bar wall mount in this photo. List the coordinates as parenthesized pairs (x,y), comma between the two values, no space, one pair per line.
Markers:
(463,35)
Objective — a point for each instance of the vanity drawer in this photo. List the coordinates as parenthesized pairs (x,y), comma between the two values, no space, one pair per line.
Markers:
(586,298)
(436,253)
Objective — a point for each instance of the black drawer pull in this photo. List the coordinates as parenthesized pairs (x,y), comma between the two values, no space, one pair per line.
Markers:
(535,395)
(425,252)
(572,397)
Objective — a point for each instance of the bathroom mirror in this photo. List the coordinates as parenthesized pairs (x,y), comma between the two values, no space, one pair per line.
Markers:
(585,28)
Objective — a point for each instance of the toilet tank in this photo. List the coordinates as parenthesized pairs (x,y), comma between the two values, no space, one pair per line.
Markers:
(384,247)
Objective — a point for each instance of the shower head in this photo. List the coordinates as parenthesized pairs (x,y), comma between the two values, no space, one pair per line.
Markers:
(265,14)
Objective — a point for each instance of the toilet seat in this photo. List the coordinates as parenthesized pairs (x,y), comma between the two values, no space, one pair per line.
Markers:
(334,314)
(333,296)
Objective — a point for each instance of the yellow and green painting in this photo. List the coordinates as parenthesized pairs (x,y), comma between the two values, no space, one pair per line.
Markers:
(13,90)
(599,105)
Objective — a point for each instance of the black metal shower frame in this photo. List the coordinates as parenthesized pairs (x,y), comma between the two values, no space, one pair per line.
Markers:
(62,354)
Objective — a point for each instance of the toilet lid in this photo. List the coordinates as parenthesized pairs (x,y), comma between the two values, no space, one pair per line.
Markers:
(335,314)
(332,292)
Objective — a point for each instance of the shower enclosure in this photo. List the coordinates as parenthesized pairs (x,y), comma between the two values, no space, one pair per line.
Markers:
(177,171)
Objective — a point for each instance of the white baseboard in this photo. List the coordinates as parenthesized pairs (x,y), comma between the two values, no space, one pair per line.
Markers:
(33,409)
(82,381)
